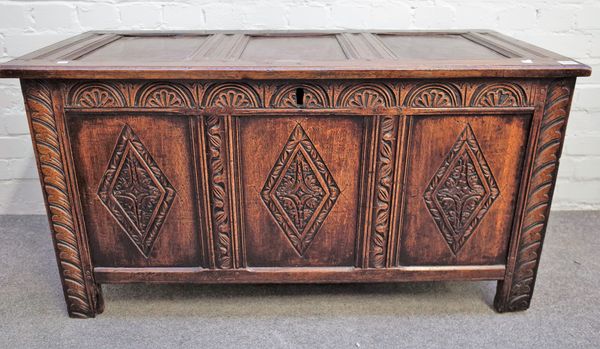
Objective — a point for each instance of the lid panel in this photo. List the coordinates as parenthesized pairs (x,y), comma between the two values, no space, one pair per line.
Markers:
(293,48)
(146,49)
(437,47)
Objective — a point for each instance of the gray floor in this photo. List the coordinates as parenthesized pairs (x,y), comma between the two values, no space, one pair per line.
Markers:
(565,312)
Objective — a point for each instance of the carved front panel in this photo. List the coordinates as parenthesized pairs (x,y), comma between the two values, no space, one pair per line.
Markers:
(463,176)
(462,191)
(136,191)
(137,184)
(300,181)
(300,190)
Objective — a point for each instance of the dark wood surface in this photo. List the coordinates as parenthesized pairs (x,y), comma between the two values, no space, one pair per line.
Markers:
(234,167)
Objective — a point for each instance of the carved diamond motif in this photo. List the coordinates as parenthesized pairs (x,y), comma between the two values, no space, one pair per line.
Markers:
(135,191)
(462,191)
(300,191)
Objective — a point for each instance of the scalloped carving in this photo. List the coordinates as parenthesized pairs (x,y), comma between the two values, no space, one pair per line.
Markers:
(499,95)
(367,96)
(232,95)
(96,95)
(434,95)
(164,95)
(314,97)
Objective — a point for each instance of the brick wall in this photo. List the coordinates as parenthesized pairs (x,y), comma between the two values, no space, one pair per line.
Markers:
(570,27)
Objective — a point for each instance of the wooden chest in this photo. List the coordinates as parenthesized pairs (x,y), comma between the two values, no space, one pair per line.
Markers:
(254,157)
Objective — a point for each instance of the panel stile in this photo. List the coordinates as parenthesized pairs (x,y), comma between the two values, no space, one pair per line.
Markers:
(515,292)
(397,189)
(203,166)
(370,187)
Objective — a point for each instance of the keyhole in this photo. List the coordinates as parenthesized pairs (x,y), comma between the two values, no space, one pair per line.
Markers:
(300,97)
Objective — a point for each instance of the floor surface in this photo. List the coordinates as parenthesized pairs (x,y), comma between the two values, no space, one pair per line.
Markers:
(565,311)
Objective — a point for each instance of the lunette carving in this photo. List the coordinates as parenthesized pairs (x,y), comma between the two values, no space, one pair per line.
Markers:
(219,193)
(97,95)
(164,95)
(314,96)
(434,95)
(366,95)
(233,95)
(136,192)
(300,191)
(515,293)
(383,189)
(82,296)
(499,95)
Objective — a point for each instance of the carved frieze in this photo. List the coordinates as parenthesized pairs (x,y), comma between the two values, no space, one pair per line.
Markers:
(283,95)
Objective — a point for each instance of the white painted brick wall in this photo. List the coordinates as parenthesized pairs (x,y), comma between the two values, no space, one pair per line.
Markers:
(569,27)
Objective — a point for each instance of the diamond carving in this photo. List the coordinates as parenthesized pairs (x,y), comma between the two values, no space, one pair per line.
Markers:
(300,191)
(135,191)
(462,191)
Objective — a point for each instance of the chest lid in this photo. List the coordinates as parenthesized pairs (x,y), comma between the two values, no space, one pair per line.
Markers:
(303,55)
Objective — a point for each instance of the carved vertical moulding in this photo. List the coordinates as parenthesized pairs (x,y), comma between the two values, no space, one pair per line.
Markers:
(219,192)
(462,191)
(383,190)
(300,191)
(136,192)
(83,297)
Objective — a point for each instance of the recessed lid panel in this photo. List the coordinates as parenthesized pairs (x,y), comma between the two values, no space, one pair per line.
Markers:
(436,47)
(146,49)
(293,48)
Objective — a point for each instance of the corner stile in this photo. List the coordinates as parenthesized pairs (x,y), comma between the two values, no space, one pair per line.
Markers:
(83,296)
(515,291)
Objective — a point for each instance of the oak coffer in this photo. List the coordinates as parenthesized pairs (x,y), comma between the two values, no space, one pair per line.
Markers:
(288,157)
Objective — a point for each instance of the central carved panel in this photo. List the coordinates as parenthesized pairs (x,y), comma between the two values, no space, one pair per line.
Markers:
(462,191)
(300,191)
(136,192)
